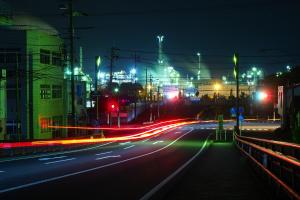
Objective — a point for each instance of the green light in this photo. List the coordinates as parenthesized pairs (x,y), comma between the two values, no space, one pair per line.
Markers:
(235,59)
(116,90)
(98,61)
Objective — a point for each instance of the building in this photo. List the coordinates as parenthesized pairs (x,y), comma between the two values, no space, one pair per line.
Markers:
(32,54)
(218,88)
(288,105)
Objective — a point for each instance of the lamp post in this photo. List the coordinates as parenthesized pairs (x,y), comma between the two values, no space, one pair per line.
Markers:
(116,90)
(97,65)
(236,74)
(199,63)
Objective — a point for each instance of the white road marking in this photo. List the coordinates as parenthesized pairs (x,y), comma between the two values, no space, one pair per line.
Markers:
(160,141)
(58,161)
(129,147)
(2,171)
(99,154)
(174,174)
(92,169)
(54,154)
(117,156)
(123,143)
(45,159)
(146,140)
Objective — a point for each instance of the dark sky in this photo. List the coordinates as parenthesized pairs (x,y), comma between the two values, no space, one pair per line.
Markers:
(265,33)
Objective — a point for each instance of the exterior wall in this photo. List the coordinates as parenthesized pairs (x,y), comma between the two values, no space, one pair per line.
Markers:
(3,112)
(45,111)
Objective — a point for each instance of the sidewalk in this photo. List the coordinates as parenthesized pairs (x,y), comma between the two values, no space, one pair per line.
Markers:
(220,173)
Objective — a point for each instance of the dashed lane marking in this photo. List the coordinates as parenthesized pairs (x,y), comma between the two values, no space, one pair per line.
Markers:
(129,147)
(57,157)
(160,141)
(99,154)
(59,161)
(106,157)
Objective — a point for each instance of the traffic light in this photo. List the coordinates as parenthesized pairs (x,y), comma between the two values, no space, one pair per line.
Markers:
(261,96)
(113,106)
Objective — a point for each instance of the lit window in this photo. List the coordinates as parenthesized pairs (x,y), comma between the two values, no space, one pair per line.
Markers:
(45,91)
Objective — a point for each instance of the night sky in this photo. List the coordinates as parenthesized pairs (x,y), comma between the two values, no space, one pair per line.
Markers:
(264,33)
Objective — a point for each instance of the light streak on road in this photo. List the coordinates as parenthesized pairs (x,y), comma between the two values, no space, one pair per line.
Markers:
(115,128)
(142,135)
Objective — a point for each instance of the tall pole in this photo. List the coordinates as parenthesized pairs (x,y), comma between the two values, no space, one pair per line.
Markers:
(151,114)
(199,63)
(158,94)
(146,88)
(97,64)
(135,58)
(18,99)
(71,35)
(236,73)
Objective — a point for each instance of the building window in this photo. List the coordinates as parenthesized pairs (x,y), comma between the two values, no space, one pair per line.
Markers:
(45,92)
(44,56)
(45,123)
(56,91)
(56,59)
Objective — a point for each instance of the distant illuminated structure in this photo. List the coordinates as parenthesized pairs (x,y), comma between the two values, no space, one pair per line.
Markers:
(160,51)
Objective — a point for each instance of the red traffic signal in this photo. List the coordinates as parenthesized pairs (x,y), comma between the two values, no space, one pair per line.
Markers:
(113,106)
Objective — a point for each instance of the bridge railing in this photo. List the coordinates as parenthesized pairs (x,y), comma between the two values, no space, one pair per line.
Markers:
(280,170)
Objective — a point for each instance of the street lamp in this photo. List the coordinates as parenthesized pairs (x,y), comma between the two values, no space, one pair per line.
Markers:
(116,90)
(199,60)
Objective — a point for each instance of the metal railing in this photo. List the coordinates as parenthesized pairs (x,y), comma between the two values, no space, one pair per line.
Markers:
(282,170)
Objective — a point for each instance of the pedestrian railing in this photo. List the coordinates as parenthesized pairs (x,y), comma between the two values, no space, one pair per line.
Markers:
(281,170)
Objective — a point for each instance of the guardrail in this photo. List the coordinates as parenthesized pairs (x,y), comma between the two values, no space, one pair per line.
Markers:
(281,170)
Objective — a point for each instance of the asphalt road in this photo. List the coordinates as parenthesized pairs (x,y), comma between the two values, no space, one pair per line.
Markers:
(114,170)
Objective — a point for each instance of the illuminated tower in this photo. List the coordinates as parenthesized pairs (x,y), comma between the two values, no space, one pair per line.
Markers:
(160,52)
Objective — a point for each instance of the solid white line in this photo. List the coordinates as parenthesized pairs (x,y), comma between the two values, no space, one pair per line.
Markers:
(166,180)
(99,154)
(58,157)
(54,154)
(2,171)
(129,147)
(58,161)
(92,169)
(118,156)
(157,142)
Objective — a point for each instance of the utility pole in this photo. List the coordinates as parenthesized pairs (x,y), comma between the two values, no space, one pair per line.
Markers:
(151,114)
(112,57)
(97,64)
(18,107)
(146,88)
(71,37)
(236,74)
(135,59)
(158,94)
